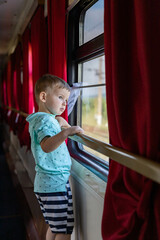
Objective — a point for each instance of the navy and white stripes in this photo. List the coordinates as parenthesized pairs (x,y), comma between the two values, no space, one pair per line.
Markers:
(57,210)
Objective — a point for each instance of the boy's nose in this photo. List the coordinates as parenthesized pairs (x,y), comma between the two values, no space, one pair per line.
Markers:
(64,103)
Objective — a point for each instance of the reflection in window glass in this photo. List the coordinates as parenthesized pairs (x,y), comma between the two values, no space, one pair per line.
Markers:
(94,114)
(93,23)
(94,71)
(95,153)
(92,103)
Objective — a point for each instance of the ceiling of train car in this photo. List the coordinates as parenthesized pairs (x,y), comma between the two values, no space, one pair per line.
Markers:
(14,17)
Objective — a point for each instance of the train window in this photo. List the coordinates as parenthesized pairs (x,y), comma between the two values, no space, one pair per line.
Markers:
(86,65)
(92,114)
(91,22)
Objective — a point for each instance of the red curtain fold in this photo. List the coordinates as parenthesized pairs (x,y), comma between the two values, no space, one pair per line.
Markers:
(39,46)
(4,96)
(26,105)
(8,90)
(13,91)
(27,90)
(16,86)
(8,83)
(18,59)
(132,53)
(21,122)
(56,39)
(4,89)
(13,82)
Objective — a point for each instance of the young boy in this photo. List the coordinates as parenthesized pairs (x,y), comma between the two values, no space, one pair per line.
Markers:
(52,158)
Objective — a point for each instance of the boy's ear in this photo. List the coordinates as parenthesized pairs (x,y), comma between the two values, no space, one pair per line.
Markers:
(42,96)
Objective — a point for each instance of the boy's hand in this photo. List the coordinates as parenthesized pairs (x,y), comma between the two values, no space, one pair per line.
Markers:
(49,144)
(73,130)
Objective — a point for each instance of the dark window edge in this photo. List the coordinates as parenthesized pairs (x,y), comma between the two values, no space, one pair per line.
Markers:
(90,162)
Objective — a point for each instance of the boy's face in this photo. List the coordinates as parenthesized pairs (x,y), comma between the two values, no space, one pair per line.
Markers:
(56,100)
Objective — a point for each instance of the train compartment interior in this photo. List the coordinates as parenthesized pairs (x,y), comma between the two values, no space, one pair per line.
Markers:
(108,52)
(87,186)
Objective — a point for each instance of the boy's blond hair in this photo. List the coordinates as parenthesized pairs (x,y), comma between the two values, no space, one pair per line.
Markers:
(49,80)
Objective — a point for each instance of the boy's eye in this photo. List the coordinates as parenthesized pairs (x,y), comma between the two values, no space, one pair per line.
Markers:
(60,97)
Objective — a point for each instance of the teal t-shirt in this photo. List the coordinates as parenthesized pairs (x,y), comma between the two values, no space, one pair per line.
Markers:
(52,169)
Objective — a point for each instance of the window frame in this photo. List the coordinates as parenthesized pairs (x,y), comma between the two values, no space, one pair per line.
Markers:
(76,54)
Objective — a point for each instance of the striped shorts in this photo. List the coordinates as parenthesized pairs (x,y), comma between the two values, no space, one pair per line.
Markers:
(57,209)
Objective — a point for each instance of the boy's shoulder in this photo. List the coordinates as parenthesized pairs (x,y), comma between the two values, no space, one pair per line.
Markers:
(40,118)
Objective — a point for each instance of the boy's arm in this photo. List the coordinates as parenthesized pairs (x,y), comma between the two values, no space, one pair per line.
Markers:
(49,144)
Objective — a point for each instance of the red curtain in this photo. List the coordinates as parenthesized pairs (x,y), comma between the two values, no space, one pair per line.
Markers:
(12,81)
(27,89)
(56,39)
(132,50)
(4,96)
(4,90)
(8,91)
(17,86)
(39,46)
(8,85)
(13,91)
(18,60)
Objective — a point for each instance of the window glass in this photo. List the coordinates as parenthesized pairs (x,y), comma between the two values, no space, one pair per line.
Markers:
(92,102)
(93,71)
(92,23)
(94,116)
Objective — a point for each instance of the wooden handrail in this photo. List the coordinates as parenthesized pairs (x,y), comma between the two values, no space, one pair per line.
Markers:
(142,165)
(17,111)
